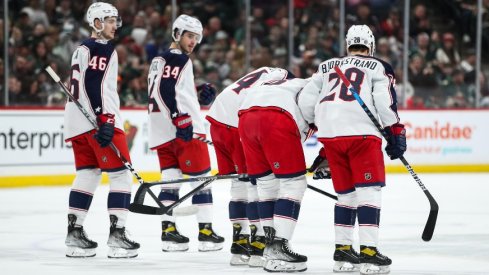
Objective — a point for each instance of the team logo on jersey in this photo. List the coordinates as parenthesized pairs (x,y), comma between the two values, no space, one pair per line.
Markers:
(368,176)
(276,165)
(188,163)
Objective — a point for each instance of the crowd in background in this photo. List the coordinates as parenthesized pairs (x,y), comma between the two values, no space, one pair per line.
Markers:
(442,57)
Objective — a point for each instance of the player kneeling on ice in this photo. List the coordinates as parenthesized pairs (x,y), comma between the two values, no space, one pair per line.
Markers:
(174,119)
(272,129)
(94,72)
(248,235)
(352,144)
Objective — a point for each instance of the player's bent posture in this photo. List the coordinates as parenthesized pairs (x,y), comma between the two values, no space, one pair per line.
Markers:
(174,115)
(243,207)
(352,144)
(271,128)
(94,72)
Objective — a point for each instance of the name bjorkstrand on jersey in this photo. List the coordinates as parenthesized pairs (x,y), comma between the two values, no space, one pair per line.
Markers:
(369,64)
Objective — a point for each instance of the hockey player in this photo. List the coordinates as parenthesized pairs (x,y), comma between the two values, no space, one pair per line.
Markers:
(243,206)
(174,115)
(94,72)
(272,129)
(352,144)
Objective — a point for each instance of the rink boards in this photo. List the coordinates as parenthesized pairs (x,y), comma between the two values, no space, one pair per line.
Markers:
(33,151)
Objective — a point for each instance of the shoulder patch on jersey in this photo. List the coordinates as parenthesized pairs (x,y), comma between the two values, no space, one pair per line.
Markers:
(176,51)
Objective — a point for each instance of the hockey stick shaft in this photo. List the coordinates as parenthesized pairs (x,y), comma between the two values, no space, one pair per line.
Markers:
(92,121)
(322,192)
(203,139)
(430,224)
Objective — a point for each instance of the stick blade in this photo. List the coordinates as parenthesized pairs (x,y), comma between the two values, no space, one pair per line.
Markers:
(429,228)
(144,209)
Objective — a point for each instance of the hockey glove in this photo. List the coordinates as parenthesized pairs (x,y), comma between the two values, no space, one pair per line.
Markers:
(396,142)
(105,131)
(320,166)
(207,93)
(185,130)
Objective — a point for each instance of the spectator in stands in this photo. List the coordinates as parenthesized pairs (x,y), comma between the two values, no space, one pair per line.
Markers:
(424,47)
(421,77)
(383,51)
(420,21)
(447,54)
(458,93)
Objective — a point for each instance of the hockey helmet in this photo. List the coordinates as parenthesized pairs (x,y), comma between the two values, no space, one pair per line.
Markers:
(100,11)
(186,23)
(361,35)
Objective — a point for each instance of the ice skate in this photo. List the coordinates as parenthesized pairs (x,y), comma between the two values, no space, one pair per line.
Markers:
(208,239)
(172,240)
(77,242)
(346,259)
(120,246)
(257,245)
(281,258)
(372,262)
(240,247)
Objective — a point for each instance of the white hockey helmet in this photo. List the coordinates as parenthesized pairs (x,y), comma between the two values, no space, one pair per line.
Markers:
(186,23)
(361,35)
(101,11)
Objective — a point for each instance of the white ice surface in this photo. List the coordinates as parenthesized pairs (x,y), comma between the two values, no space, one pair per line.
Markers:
(33,228)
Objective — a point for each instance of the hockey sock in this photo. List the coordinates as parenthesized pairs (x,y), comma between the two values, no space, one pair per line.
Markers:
(81,194)
(268,187)
(238,205)
(119,196)
(345,215)
(369,201)
(203,199)
(288,205)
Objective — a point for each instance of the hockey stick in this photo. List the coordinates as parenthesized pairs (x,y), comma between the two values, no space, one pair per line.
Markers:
(138,205)
(322,192)
(126,163)
(203,139)
(151,210)
(430,224)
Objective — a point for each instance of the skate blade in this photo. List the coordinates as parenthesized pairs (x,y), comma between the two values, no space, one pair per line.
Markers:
(345,267)
(78,252)
(209,246)
(174,247)
(256,261)
(283,266)
(374,269)
(121,253)
(238,259)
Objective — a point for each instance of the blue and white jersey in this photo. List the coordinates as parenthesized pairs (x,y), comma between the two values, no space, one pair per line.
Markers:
(225,107)
(171,91)
(327,102)
(94,70)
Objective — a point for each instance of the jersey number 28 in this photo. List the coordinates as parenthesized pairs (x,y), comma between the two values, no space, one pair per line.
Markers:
(355,76)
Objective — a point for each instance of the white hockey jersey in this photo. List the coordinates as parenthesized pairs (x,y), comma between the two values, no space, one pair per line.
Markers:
(281,94)
(226,105)
(171,91)
(326,100)
(94,70)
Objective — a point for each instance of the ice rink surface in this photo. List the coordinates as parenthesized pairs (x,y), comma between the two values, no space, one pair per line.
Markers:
(33,229)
